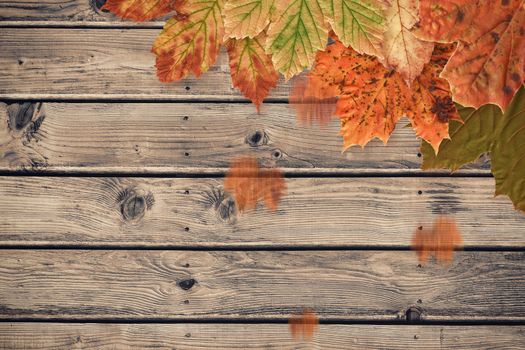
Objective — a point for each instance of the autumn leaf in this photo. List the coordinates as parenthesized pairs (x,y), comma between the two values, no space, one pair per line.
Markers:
(303,325)
(297,32)
(251,68)
(488,130)
(314,102)
(249,183)
(402,50)
(141,10)
(358,23)
(439,242)
(247,18)
(190,41)
(489,64)
(373,98)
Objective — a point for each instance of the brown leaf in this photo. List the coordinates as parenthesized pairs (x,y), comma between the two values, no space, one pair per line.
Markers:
(249,183)
(303,325)
(439,242)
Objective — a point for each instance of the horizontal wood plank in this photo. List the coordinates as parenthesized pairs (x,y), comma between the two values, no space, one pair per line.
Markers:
(188,138)
(256,336)
(353,212)
(100,64)
(64,13)
(348,285)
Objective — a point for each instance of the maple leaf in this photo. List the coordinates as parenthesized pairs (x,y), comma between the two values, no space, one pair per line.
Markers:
(247,18)
(358,23)
(373,98)
(314,102)
(141,10)
(489,64)
(402,50)
(190,41)
(297,32)
(488,130)
(249,183)
(440,241)
(303,325)
(251,68)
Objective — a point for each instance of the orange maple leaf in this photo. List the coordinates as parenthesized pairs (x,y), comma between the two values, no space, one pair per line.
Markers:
(249,183)
(141,10)
(489,64)
(190,41)
(440,241)
(373,98)
(303,325)
(313,100)
(251,68)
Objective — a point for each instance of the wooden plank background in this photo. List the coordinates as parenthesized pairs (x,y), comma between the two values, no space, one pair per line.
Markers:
(115,231)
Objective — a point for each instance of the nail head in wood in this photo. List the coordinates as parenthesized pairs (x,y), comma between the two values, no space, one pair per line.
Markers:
(187,284)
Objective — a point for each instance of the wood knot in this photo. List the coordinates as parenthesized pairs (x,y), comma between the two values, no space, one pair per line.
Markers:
(187,284)
(134,202)
(97,5)
(223,204)
(257,138)
(413,314)
(21,114)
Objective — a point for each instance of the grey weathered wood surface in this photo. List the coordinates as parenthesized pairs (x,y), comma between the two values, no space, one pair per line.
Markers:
(68,13)
(355,212)
(100,64)
(189,138)
(347,285)
(260,336)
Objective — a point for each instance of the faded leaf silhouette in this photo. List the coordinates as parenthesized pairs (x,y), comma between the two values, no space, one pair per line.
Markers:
(314,102)
(141,10)
(249,183)
(439,242)
(304,324)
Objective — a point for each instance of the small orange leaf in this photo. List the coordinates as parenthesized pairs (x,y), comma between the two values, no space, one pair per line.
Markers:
(249,183)
(439,242)
(251,68)
(141,10)
(313,100)
(303,325)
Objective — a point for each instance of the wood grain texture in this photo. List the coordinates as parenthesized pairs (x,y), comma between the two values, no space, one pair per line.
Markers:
(100,64)
(256,336)
(349,285)
(356,212)
(189,138)
(64,13)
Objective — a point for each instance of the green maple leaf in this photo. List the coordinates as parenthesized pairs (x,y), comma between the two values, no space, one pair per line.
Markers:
(488,130)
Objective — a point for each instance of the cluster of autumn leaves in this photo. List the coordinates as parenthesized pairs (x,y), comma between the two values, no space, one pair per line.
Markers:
(456,63)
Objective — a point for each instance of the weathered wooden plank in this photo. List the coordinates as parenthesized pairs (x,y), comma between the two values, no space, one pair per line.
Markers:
(349,285)
(178,137)
(255,336)
(100,64)
(357,212)
(69,13)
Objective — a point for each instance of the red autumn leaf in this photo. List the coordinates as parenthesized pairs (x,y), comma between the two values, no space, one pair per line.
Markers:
(249,183)
(439,242)
(190,41)
(314,102)
(251,68)
(303,325)
(489,64)
(373,98)
(141,10)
